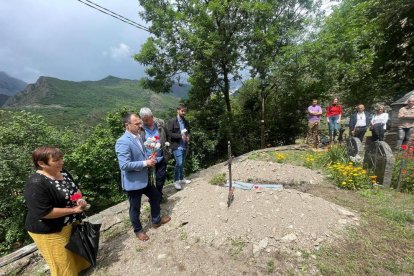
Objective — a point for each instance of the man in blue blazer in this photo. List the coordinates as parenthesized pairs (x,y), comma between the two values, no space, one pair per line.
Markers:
(134,164)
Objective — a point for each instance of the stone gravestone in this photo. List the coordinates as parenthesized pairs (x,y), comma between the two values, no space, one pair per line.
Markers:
(354,147)
(380,160)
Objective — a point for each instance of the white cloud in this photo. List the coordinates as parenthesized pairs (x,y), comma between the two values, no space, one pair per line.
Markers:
(120,52)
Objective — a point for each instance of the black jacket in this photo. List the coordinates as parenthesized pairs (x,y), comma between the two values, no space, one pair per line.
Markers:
(164,137)
(353,120)
(174,131)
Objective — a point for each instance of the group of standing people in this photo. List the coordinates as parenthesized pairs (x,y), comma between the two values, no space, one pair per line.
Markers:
(136,161)
(359,122)
(54,211)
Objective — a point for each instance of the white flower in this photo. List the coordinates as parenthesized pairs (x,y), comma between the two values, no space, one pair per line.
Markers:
(157,145)
(184,131)
(167,144)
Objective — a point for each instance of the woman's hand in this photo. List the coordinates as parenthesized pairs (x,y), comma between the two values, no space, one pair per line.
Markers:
(81,202)
(77,209)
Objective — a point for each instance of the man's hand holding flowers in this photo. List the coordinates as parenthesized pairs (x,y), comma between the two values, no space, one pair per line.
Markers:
(184,135)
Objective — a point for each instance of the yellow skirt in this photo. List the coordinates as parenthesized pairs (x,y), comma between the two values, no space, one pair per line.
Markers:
(61,261)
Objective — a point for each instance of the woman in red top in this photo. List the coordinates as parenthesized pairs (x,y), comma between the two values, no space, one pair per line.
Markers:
(333,117)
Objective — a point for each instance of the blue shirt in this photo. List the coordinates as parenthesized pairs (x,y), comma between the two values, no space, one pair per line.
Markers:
(150,133)
(182,145)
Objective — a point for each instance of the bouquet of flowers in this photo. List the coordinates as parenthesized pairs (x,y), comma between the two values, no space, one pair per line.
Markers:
(153,145)
(78,200)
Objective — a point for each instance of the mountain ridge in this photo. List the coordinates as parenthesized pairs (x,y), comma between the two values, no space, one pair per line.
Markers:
(58,100)
(9,85)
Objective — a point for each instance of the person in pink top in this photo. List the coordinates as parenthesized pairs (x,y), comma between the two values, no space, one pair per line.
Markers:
(333,117)
(314,117)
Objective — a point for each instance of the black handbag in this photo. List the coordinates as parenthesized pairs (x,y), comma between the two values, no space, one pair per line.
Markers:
(84,241)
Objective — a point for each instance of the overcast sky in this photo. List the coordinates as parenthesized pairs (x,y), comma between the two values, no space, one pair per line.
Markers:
(69,40)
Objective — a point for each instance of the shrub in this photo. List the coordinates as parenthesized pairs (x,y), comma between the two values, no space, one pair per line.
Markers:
(348,176)
(404,169)
(218,179)
(336,154)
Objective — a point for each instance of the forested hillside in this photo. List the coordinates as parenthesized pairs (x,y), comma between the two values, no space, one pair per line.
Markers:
(69,103)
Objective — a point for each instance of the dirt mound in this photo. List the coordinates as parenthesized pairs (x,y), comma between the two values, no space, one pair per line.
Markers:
(207,238)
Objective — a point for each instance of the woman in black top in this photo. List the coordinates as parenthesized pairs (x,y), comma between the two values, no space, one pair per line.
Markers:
(51,212)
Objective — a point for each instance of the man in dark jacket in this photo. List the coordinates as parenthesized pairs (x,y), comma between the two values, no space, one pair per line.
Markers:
(179,133)
(359,122)
(154,127)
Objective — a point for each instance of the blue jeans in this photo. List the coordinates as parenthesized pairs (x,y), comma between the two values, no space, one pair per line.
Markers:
(333,125)
(134,198)
(179,156)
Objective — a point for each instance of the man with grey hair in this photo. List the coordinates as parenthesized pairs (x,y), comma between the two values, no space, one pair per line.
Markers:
(406,122)
(154,127)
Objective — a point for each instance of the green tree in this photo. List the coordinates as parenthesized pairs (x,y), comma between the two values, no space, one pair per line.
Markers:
(198,38)
(94,164)
(271,26)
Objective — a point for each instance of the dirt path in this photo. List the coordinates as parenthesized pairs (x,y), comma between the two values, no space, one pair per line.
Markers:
(263,231)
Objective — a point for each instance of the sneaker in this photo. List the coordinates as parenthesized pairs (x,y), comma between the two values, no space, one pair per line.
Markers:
(185,181)
(177,185)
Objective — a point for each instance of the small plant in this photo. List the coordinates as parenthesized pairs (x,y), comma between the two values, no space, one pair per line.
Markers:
(236,246)
(403,173)
(309,161)
(336,154)
(351,177)
(270,267)
(280,157)
(218,179)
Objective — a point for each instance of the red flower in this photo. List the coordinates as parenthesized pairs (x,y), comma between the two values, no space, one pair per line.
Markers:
(404,171)
(75,197)
(157,137)
(404,147)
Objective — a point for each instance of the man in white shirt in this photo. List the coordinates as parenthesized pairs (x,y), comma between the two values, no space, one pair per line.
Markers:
(359,122)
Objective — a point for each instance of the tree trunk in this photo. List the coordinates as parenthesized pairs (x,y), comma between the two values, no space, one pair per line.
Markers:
(226,91)
(262,121)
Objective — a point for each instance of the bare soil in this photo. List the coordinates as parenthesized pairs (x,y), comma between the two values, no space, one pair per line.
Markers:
(263,231)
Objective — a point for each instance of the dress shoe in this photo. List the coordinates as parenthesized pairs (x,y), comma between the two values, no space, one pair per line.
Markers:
(141,235)
(164,220)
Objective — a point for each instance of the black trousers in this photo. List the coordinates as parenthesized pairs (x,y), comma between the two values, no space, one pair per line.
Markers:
(378,132)
(160,175)
(360,132)
(134,198)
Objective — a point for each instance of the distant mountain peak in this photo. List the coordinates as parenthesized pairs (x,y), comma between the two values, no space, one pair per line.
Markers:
(10,86)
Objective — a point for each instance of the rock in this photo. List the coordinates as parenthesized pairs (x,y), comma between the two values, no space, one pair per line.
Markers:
(263,243)
(289,237)
(345,212)
(162,256)
(256,250)
(342,221)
